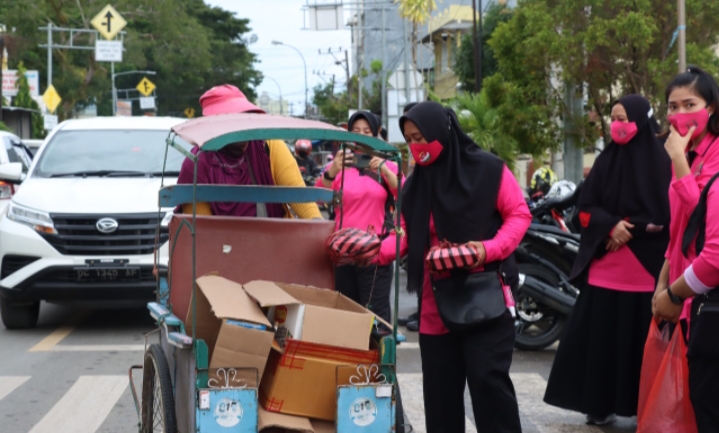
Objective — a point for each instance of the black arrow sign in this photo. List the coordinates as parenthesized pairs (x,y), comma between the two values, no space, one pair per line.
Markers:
(109,18)
(147,86)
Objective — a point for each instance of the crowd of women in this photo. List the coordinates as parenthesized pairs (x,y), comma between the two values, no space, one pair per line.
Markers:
(649,250)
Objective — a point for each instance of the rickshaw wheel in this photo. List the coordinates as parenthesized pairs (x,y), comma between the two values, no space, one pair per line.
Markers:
(158,404)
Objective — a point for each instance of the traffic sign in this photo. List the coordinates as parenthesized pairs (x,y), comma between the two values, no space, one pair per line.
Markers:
(145,87)
(108,22)
(190,112)
(51,98)
(49,122)
(108,51)
(147,103)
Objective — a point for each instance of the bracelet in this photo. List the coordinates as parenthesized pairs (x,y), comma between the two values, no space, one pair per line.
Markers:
(327,176)
(676,300)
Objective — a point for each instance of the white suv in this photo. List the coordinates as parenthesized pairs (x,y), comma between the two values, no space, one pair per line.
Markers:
(83,225)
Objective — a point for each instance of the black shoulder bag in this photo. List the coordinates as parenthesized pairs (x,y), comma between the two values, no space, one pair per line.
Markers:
(704,328)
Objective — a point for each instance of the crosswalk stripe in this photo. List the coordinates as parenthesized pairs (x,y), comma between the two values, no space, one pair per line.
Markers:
(407,345)
(413,402)
(84,407)
(9,383)
(530,389)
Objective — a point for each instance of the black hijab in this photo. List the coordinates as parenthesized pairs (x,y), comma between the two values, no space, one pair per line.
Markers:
(628,181)
(374,123)
(459,189)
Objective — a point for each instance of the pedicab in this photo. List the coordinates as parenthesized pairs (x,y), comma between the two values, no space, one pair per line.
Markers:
(179,392)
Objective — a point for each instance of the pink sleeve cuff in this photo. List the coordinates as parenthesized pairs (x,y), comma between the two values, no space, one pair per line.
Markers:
(694,282)
(492,250)
(687,190)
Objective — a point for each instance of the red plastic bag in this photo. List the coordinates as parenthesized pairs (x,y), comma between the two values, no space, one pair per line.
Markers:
(664,404)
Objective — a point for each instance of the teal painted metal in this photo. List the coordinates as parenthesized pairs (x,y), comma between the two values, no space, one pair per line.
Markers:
(368,143)
(202,361)
(182,150)
(365,409)
(163,291)
(171,196)
(227,410)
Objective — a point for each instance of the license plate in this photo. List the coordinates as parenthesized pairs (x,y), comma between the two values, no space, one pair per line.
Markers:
(107,274)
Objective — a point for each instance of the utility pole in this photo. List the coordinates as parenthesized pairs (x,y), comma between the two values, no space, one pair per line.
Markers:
(407,93)
(475,56)
(360,55)
(682,28)
(2,58)
(345,65)
(384,61)
(479,49)
(347,72)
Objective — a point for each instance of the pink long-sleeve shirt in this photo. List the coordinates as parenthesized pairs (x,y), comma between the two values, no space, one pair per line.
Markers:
(516,219)
(703,273)
(363,205)
(683,197)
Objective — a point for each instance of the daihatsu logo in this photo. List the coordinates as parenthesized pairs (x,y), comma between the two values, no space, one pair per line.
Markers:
(107,225)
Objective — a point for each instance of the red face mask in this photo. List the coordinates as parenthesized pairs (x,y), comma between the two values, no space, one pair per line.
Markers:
(623,132)
(682,122)
(425,154)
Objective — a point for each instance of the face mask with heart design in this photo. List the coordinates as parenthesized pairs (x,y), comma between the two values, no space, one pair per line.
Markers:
(425,154)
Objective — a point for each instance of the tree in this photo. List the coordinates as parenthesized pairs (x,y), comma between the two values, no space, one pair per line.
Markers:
(24,100)
(418,12)
(190,45)
(607,48)
(334,106)
(464,61)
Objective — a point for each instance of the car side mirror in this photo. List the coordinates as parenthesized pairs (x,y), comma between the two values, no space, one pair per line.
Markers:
(11,173)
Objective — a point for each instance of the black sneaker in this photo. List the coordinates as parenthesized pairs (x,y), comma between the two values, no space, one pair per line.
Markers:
(601,420)
(402,321)
(413,326)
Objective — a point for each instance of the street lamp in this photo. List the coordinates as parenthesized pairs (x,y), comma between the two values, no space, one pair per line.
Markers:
(114,89)
(278,88)
(303,61)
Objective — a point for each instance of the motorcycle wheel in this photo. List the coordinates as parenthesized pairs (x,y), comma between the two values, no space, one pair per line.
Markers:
(537,326)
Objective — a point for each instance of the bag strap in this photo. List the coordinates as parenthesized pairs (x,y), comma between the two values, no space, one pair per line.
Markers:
(696,227)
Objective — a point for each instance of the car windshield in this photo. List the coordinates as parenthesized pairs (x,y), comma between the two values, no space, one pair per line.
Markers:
(118,153)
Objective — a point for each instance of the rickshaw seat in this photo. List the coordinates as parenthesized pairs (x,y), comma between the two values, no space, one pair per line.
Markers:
(245,249)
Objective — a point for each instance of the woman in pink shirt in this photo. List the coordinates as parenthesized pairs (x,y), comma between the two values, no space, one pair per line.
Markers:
(462,194)
(693,101)
(624,214)
(367,201)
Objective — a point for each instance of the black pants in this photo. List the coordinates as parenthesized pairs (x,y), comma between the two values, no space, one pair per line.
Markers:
(356,283)
(703,359)
(480,358)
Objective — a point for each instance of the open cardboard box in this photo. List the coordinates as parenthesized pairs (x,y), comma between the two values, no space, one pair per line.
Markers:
(315,315)
(226,321)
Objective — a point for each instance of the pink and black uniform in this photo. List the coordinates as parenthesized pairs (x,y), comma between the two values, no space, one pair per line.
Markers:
(460,194)
(367,201)
(598,363)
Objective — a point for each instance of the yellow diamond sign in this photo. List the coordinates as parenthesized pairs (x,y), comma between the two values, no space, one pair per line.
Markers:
(108,22)
(146,87)
(190,112)
(51,98)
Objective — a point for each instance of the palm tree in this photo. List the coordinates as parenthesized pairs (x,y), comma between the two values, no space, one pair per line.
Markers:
(418,12)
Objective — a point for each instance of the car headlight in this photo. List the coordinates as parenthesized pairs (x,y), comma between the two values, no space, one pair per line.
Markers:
(40,221)
(166,220)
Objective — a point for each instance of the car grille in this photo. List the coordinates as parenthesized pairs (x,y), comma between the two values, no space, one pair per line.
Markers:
(11,264)
(78,235)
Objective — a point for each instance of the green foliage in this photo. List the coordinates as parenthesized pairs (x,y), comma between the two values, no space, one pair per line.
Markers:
(464,61)
(3,127)
(190,45)
(610,47)
(24,100)
(334,106)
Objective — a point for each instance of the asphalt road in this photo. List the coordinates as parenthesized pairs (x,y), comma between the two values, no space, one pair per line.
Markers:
(69,375)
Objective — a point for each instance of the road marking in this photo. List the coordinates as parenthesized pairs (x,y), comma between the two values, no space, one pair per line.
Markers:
(407,345)
(99,348)
(60,333)
(413,402)
(85,406)
(9,383)
(530,389)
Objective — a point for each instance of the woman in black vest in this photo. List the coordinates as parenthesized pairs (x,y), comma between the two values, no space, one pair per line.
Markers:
(462,194)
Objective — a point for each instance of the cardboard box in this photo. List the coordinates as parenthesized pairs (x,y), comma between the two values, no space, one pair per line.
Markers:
(329,318)
(226,316)
(302,380)
(270,422)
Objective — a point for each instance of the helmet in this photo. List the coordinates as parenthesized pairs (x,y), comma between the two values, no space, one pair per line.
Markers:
(303,145)
(561,189)
(543,179)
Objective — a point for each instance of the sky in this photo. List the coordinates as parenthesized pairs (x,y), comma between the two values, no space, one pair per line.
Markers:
(283,20)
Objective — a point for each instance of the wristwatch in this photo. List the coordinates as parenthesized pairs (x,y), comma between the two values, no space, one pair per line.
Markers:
(676,300)
(327,175)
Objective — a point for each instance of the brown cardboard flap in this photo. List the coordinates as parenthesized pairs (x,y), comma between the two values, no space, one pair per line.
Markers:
(269,294)
(337,328)
(268,420)
(312,295)
(229,301)
(243,349)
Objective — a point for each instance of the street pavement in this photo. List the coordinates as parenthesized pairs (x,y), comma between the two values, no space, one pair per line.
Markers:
(70,375)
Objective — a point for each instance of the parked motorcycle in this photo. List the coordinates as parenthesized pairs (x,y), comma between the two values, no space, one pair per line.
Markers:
(545,258)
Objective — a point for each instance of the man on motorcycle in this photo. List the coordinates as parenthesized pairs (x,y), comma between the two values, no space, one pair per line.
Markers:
(308,166)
